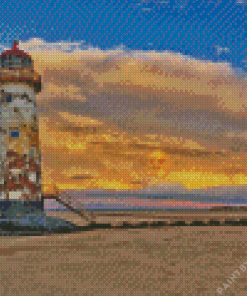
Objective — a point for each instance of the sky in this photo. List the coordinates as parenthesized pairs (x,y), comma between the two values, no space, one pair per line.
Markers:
(213,30)
(138,93)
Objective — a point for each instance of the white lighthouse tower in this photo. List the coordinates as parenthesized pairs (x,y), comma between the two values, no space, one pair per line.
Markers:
(20,154)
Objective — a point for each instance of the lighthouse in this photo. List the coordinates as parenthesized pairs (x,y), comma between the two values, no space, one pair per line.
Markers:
(20,154)
(21,209)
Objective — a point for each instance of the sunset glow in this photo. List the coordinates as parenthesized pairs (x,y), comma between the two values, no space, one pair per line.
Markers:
(118,121)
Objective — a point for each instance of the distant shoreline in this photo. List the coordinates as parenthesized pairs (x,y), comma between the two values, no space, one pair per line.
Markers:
(129,210)
(207,209)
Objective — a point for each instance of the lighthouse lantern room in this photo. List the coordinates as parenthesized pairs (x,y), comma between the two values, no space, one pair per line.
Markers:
(20,154)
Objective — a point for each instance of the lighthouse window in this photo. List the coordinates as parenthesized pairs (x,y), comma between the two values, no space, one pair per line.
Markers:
(31,152)
(14,134)
(15,60)
(25,96)
(9,99)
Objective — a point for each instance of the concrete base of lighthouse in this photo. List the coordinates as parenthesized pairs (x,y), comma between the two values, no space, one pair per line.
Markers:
(27,218)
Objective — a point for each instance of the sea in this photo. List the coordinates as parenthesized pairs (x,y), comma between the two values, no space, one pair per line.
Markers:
(147,202)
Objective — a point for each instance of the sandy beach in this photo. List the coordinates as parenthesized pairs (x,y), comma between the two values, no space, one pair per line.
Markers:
(167,260)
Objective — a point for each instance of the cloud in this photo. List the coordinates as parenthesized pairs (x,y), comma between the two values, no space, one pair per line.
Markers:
(221,50)
(79,121)
(82,177)
(40,44)
(243,2)
(241,135)
(137,117)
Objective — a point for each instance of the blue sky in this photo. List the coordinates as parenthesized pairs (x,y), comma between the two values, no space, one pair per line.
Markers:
(212,30)
(135,90)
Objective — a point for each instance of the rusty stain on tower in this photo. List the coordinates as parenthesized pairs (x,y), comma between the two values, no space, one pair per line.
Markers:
(20,152)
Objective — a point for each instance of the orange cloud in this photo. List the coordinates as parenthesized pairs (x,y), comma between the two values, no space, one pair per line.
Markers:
(135,119)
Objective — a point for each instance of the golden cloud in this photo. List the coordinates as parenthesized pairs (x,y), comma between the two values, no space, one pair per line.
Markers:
(140,118)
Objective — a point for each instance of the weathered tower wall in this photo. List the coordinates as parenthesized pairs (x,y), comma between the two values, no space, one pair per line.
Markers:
(20,155)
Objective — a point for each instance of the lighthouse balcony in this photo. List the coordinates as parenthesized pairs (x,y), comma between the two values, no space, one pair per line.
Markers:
(27,76)
(21,72)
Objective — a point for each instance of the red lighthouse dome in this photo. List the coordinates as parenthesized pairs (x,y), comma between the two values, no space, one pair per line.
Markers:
(17,67)
(15,58)
(15,51)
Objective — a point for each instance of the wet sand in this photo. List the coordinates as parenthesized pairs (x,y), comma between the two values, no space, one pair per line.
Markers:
(167,260)
(156,261)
